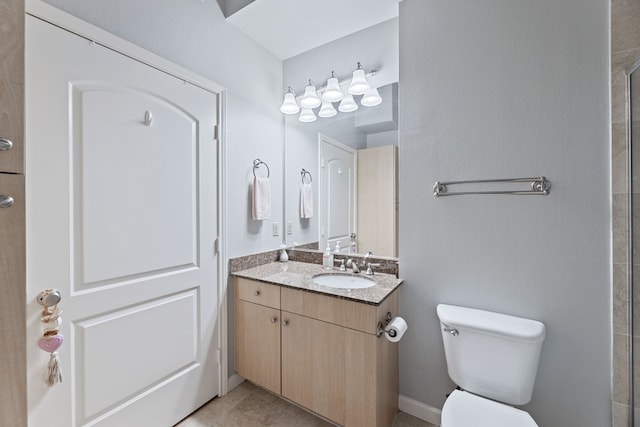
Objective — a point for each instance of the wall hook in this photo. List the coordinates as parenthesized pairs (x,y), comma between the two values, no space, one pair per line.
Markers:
(148,118)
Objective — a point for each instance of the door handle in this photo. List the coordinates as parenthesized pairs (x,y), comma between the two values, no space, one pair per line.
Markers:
(5,144)
(6,201)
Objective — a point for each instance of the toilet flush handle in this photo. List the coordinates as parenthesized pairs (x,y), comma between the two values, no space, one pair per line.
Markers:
(452,331)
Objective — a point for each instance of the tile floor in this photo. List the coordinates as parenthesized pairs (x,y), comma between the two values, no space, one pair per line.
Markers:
(250,406)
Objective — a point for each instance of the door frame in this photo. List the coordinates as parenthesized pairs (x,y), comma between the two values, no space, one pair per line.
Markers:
(66,21)
(323,138)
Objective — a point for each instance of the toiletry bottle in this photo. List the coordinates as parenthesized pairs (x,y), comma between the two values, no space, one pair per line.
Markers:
(337,249)
(327,258)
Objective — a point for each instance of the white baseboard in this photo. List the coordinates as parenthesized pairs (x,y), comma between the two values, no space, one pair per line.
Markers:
(234,381)
(420,410)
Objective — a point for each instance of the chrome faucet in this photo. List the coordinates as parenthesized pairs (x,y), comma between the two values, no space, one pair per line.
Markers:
(354,265)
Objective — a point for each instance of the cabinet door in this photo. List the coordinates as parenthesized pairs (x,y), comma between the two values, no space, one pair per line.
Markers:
(313,365)
(12,315)
(258,344)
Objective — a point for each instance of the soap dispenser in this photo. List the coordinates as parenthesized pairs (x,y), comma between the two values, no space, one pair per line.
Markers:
(284,257)
(337,249)
(327,258)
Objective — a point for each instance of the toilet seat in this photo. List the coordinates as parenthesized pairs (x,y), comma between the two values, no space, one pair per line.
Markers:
(464,409)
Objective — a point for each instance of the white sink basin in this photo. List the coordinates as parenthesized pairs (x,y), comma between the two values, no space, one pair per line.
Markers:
(342,281)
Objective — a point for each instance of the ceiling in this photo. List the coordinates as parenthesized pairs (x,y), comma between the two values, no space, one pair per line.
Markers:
(290,27)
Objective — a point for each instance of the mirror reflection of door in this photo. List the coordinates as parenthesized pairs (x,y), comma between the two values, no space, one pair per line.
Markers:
(337,213)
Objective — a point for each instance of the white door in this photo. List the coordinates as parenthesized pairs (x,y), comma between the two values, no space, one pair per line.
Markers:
(337,213)
(121,167)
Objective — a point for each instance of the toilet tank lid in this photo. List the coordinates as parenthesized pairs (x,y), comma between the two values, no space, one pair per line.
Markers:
(492,323)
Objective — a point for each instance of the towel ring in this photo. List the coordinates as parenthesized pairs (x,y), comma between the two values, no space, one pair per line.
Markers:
(304,172)
(256,165)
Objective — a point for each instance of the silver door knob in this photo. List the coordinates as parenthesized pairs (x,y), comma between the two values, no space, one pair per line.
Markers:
(285,322)
(6,201)
(274,319)
(256,293)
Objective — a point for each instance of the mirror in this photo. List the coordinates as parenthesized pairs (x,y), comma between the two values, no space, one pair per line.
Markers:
(361,200)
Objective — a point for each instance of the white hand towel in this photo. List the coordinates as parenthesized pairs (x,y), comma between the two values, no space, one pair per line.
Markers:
(261,199)
(306,201)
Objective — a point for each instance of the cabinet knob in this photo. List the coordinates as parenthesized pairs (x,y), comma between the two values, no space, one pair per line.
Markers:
(256,293)
(5,144)
(285,322)
(6,201)
(274,319)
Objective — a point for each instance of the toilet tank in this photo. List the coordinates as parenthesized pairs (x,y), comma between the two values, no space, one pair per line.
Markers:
(490,354)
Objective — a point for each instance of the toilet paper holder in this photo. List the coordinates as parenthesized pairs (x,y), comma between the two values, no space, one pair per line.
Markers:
(380,329)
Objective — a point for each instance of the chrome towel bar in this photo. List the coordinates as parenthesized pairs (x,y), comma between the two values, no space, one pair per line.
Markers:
(537,186)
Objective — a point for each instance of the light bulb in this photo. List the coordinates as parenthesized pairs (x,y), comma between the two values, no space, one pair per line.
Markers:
(327,110)
(307,115)
(371,98)
(347,104)
(289,105)
(359,84)
(310,98)
(332,93)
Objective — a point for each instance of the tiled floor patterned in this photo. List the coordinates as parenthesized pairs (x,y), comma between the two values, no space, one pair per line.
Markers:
(250,406)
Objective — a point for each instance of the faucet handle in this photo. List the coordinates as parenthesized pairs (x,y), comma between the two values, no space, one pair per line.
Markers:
(342,267)
(369,269)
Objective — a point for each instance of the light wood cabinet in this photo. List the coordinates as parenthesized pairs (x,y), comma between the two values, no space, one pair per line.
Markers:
(13,387)
(329,359)
(378,200)
(313,365)
(258,333)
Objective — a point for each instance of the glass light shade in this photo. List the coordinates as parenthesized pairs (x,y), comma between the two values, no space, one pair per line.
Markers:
(289,106)
(332,93)
(307,115)
(310,98)
(371,98)
(327,110)
(347,104)
(359,84)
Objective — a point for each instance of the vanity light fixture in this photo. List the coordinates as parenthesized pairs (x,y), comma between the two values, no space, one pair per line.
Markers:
(371,98)
(332,93)
(289,105)
(359,84)
(310,98)
(307,115)
(348,104)
(327,110)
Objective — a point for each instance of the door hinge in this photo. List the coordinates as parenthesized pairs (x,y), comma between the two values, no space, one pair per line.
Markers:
(216,246)
(322,163)
(218,357)
(215,132)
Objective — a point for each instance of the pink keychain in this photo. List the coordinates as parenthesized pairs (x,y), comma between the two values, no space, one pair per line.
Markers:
(52,339)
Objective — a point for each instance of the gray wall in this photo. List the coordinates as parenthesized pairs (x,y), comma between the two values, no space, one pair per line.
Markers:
(504,89)
(195,35)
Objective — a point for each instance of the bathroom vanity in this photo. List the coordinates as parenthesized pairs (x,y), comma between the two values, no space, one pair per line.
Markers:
(317,346)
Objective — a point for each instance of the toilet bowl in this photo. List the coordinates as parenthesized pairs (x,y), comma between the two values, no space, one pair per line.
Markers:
(493,358)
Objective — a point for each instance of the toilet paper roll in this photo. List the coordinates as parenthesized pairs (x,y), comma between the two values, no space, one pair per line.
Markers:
(396,329)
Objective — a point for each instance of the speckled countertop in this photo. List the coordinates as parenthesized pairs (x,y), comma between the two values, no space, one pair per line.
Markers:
(299,275)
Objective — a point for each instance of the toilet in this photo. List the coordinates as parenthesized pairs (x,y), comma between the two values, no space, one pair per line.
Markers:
(493,358)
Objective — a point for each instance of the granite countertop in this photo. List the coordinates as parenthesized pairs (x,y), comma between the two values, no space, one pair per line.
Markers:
(299,275)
